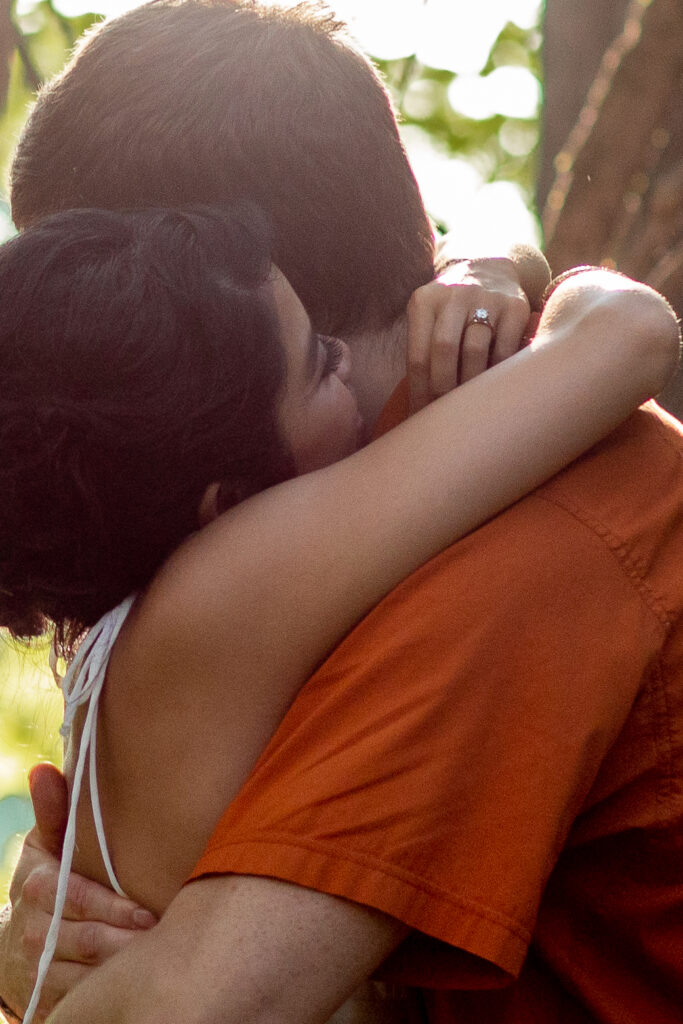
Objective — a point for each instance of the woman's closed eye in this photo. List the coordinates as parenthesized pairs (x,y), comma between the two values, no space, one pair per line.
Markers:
(333,354)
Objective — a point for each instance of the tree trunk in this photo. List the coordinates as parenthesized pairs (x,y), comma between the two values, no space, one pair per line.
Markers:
(576,34)
(616,198)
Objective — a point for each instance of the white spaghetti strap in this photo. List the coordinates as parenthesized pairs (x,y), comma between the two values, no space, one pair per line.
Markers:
(83,682)
(97,813)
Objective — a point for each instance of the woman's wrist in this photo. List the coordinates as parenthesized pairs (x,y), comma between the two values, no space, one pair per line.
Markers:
(630,327)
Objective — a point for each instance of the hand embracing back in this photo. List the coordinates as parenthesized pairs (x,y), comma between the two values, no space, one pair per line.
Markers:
(97,923)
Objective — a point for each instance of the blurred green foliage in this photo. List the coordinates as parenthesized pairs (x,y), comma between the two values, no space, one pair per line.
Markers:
(30,716)
(39,39)
(501,148)
(43,39)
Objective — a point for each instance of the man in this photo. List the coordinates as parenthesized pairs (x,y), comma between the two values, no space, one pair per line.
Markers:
(511,768)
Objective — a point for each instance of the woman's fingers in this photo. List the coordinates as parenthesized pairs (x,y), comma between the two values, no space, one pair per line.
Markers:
(511,330)
(456,331)
(477,344)
(445,346)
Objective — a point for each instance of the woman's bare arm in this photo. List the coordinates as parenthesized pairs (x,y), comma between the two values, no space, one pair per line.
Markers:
(352,531)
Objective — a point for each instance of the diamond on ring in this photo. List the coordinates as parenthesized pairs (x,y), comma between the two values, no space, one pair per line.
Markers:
(481,316)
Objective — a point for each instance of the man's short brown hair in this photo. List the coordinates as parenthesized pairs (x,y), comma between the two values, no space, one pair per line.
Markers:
(184,101)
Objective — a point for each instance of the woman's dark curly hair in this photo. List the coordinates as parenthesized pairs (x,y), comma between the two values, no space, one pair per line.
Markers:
(140,361)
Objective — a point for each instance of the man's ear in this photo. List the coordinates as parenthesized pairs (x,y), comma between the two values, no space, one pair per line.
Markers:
(208,507)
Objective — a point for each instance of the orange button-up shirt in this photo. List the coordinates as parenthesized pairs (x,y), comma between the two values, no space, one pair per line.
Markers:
(494,756)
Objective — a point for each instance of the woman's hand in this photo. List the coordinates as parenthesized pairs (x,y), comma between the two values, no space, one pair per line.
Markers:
(474,315)
(96,924)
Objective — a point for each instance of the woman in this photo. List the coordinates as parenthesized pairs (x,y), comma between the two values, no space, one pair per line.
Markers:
(180,378)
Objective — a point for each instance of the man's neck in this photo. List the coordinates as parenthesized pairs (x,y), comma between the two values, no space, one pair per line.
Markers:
(379,365)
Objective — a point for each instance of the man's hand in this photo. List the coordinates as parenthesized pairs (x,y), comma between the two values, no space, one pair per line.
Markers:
(450,340)
(96,924)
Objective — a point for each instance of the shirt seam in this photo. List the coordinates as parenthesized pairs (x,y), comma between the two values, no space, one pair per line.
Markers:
(663,738)
(418,882)
(660,716)
(619,549)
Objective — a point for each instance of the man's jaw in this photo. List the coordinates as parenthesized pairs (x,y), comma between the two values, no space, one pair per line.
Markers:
(378,367)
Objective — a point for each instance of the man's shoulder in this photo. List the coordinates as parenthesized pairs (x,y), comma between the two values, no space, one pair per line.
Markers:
(616,511)
(628,492)
(634,467)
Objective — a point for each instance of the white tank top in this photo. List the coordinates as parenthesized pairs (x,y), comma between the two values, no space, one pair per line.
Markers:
(82,684)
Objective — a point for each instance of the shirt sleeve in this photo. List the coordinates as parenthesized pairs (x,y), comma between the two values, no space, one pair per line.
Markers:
(433,766)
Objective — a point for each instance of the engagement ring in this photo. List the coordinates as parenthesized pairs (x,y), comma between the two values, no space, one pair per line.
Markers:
(481,316)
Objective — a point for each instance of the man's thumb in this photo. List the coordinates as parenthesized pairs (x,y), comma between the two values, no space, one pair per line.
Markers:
(50,798)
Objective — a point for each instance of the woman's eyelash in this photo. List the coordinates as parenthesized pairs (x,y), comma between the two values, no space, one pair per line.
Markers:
(334,353)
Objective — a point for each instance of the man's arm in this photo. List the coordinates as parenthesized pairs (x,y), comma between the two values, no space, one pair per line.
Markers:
(239,950)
